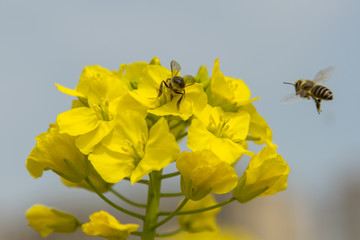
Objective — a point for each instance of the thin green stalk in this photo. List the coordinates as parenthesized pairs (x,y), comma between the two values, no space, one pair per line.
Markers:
(108,201)
(136,233)
(169,233)
(140,181)
(119,195)
(152,209)
(251,138)
(169,175)
(178,209)
(199,210)
(181,136)
(179,194)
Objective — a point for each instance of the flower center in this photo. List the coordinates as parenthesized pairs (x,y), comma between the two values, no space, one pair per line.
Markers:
(219,128)
(102,110)
(136,150)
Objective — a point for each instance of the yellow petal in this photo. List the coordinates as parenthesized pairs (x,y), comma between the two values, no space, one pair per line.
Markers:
(77,121)
(161,149)
(266,174)
(87,142)
(111,166)
(203,173)
(104,225)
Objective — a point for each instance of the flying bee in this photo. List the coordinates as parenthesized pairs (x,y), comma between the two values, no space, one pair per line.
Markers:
(311,89)
(176,83)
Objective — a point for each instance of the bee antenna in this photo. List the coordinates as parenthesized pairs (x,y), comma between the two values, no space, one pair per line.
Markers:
(289,83)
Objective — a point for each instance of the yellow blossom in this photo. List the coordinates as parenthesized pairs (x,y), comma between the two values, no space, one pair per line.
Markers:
(133,150)
(88,75)
(106,98)
(229,93)
(202,221)
(223,133)
(57,152)
(148,90)
(104,225)
(47,220)
(202,172)
(259,129)
(266,174)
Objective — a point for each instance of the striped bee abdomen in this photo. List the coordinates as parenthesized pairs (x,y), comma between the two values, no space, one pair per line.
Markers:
(322,92)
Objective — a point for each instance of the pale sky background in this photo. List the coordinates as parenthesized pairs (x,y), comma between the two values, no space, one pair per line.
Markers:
(263,42)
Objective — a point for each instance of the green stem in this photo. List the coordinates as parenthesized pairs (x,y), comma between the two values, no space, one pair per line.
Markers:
(181,136)
(171,194)
(136,233)
(108,201)
(119,195)
(250,138)
(199,210)
(178,209)
(152,210)
(169,233)
(140,181)
(174,174)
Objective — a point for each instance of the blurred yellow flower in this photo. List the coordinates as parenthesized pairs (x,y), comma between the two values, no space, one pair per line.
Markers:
(57,152)
(104,225)
(47,220)
(202,172)
(202,221)
(223,133)
(259,127)
(266,174)
(133,150)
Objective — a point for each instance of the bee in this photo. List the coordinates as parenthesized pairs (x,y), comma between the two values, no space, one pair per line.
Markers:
(176,83)
(311,89)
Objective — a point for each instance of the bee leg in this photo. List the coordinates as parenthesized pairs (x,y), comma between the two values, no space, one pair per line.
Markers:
(161,87)
(179,101)
(171,96)
(318,104)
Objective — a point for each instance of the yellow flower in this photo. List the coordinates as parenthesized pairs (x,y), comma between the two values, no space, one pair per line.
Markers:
(88,75)
(47,220)
(198,222)
(202,172)
(57,152)
(223,133)
(133,150)
(259,128)
(148,90)
(229,93)
(131,73)
(107,97)
(104,225)
(266,174)
(95,178)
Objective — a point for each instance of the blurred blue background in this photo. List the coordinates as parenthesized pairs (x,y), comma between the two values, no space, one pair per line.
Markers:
(262,42)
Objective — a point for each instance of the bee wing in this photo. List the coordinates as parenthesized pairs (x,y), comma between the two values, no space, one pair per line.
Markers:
(189,79)
(290,98)
(324,75)
(175,68)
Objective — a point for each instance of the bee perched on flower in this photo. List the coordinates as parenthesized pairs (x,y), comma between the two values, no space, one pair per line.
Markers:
(126,125)
(176,83)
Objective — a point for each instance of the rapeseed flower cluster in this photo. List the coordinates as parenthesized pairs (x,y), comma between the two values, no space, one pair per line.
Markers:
(126,125)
